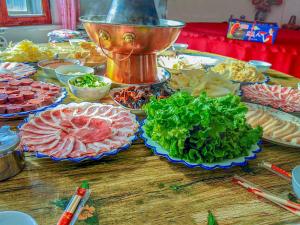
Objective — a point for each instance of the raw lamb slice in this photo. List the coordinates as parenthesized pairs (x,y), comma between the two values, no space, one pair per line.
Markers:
(41,125)
(79,150)
(87,135)
(29,135)
(48,119)
(40,141)
(33,129)
(99,147)
(45,148)
(58,150)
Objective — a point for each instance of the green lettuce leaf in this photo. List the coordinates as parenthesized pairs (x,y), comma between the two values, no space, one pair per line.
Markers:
(201,129)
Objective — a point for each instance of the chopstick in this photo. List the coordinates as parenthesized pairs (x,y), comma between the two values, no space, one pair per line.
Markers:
(276,170)
(286,204)
(80,206)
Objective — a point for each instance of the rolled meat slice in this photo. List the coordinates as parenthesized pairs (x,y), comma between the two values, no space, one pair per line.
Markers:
(54,88)
(37,102)
(45,87)
(13,108)
(3,98)
(14,83)
(2,109)
(36,84)
(26,82)
(47,100)
(29,107)
(28,95)
(13,92)
(16,98)
(12,88)
(3,85)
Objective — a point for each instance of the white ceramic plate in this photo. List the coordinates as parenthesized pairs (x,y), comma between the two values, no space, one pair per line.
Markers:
(19,70)
(194,62)
(226,164)
(281,115)
(16,218)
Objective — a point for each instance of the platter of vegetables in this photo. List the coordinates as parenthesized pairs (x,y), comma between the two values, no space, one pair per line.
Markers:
(200,131)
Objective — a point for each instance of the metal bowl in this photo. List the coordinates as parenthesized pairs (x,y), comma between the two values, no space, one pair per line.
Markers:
(11,161)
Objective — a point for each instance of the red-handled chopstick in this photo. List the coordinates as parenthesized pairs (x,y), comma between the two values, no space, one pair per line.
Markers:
(68,214)
(286,204)
(278,171)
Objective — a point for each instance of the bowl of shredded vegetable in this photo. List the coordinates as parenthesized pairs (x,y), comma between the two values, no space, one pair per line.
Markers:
(64,73)
(90,87)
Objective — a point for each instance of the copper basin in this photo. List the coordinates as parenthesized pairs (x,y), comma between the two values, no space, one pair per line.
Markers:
(132,49)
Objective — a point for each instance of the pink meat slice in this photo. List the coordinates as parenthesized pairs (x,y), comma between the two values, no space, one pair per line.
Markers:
(68,148)
(46,148)
(119,125)
(103,109)
(39,123)
(79,149)
(35,130)
(121,114)
(98,147)
(56,116)
(91,111)
(67,113)
(48,119)
(26,135)
(87,135)
(38,140)
(80,121)
(58,149)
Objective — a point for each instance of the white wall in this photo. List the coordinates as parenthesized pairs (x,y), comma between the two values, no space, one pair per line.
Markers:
(220,10)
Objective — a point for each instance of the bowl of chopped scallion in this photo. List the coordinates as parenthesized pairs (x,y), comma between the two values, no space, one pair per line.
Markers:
(90,87)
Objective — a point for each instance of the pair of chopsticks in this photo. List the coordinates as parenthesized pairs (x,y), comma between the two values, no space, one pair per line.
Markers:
(286,204)
(283,203)
(77,202)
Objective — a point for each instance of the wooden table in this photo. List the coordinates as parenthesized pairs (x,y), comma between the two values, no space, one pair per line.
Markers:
(137,187)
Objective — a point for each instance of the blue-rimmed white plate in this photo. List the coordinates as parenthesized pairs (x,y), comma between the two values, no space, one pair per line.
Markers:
(58,101)
(13,70)
(158,150)
(88,110)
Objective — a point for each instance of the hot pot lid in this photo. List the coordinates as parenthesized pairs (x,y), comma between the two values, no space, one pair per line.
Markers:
(9,140)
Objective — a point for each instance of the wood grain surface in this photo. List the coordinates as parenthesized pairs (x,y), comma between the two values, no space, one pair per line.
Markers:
(137,187)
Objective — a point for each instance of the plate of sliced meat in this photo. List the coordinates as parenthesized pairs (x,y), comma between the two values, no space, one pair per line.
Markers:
(11,71)
(278,127)
(19,98)
(286,99)
(79,132)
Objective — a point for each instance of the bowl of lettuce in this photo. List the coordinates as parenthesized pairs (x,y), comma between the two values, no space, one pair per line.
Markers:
(200,131)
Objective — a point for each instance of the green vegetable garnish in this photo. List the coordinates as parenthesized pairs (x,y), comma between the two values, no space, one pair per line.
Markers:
(201,129)
(88,80)
(211,220)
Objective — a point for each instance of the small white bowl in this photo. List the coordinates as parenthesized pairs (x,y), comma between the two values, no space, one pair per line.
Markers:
(51,71)
(64,73)
(180,46)
(91,94)
(16,218)
(261,66)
